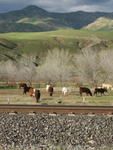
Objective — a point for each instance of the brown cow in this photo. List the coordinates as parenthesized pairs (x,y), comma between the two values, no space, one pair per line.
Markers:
(25,87)
(100,90)
(32,92)
(50,90)
(35,93)
(85,90)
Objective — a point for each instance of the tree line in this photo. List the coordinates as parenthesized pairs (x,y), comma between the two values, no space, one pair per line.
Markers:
(89,66)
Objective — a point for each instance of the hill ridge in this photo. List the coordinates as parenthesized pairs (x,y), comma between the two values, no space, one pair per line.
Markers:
(42,20)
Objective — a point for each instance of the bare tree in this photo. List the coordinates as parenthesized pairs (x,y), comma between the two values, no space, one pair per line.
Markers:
(26,69)
(87,67)
(56,66)
(106,62)
(8,71)
(3,74)
(11,70)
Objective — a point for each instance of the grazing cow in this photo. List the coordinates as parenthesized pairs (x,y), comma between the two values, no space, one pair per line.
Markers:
(107,86)
(25,87)
(64,91)
(85,90)
(37,95)
(100,90)
(32,92)
(50,90)
(47,87)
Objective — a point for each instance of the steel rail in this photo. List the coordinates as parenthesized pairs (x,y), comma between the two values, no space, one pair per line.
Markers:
(55,109)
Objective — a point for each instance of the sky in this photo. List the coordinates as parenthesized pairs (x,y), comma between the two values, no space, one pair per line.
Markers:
(59,5)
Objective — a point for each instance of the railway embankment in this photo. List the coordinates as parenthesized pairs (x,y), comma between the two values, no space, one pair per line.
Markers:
(68,131)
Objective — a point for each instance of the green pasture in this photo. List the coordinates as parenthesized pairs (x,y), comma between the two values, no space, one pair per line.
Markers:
(40,42)
(68,33)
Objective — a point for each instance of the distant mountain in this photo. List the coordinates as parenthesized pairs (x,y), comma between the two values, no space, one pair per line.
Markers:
(35,19)
(101,23)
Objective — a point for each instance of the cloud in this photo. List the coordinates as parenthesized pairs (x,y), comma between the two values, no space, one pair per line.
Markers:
(75,5)
(59,5)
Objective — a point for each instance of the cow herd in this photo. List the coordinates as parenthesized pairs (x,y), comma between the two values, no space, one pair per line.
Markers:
(65,90)
(96,91)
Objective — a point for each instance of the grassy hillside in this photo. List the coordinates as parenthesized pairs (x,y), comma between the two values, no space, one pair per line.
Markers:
(8,50)
(101,23)
(40,42)
(67,34)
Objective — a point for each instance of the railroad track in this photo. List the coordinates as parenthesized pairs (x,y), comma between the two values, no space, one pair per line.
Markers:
(55,109)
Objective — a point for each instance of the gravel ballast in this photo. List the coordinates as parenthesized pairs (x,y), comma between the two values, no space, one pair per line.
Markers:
(44,130)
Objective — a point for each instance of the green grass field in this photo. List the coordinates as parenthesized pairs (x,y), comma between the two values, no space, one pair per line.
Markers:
(108,35)
(73,40)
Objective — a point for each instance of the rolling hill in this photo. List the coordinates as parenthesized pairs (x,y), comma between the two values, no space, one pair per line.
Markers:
(101,23)
(15,45)
(35,19)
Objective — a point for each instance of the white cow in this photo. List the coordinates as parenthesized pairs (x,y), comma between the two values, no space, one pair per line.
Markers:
(47,87)
(64,91)
(107,86)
